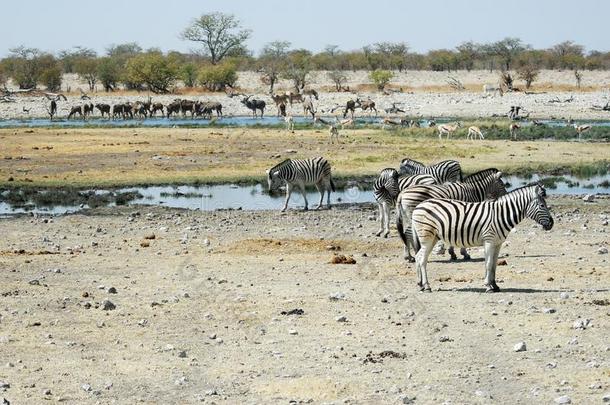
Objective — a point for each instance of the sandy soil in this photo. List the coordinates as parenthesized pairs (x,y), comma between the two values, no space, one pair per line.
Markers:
(198,312)
(425,94)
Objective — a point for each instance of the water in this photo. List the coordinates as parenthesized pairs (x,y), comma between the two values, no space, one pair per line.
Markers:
(239,121)
(256,197)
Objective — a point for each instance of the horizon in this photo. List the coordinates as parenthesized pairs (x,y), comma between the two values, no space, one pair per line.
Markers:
(315,29)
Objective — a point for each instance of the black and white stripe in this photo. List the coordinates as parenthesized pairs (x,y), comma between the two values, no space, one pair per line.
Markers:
(387,187)
(467,224)
(446,171)
(475,188)
(302,172)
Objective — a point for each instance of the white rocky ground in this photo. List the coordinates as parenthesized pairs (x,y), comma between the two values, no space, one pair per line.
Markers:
(166,306)
(425,94)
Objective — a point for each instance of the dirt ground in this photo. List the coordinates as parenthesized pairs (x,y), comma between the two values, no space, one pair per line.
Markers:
(107,157)
(200,295)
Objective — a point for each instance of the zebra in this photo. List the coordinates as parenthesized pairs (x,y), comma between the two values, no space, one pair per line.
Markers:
(477,187)
(301,172)
(387,187)
(445,172)
(468,224)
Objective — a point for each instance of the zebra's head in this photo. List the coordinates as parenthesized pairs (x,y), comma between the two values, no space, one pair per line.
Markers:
(406,167)
(496,188)
(538,210)
(271,176)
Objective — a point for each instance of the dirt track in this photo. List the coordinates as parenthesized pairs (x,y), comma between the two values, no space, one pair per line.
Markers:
(197,322)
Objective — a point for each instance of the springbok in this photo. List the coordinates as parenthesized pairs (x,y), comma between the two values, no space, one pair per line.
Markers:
(581,128)
(513,129)
(333,132)
(346,123)
(473,132)
(289,123)
(448,129)
(390,122)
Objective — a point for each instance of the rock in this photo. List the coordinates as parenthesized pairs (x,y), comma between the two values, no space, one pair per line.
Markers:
(341,318)
(150,236)
(581,323)
(336,296)
(502,262)
(4,385)
(564,295)
(112,290)
(588,198)
(520,347)
(293,332)
(144,244)
(564,399)
(182,354)
(107,305)
(34,282)
(46,392)
(86,387)
(602,250)
(549,310)
(206,242)
(606,398)
(212,336)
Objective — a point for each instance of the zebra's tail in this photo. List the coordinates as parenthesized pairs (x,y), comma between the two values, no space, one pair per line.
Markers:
(416,242)
(332,185)
(399,226)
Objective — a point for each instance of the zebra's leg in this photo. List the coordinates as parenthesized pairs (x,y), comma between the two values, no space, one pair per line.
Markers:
(421,260)
(321,191)
(386,220)
(302,186)
(464,254)
(288,193)
(381,219)
(491,259)
(409,235)
(451,252)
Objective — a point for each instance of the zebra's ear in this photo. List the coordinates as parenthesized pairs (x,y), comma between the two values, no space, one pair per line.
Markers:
(498,175)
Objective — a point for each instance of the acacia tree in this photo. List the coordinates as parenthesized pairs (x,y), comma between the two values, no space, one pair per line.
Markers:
(272,62)
(87,69)
(24,67)
(507,50)
(219,33)
(297,68)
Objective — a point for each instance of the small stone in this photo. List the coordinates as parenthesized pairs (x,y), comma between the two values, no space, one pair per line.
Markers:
(336,296)
(602,250)
(341,318)
(581,323)
(144,244)
(588,198)
(34,282)
(206,242)
(4,385)
(564,399)
(143,322)
(564,295)
(107,305)
(445,339)
(86,387)
(606,398)
(150,236)
(212,336)
(520,347)
(293,332)
(46,392)
(112,290)
(549,310)
(502,262)
(182,354)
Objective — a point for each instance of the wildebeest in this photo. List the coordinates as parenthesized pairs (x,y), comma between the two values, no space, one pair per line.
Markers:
(154,108)
(187,105)
(123,110)
(173,108)
(103,109)
(209,106)
(76,110)
(350,106)
(87,109)
(140,109)
(254,105)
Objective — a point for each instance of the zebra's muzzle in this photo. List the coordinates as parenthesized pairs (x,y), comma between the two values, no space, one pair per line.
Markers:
(547,226)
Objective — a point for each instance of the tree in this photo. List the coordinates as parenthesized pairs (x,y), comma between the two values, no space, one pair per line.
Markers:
(109,72)
(124,51)
(467,54)
(569,55)
(298,68)
(50,76)
(188,74)
(23,66)
(338,77)
(381,78)
(272,62)
(507,50)
(218,77)
(152,70)
(69,57)
(219,33)
(87,69)
(528,73)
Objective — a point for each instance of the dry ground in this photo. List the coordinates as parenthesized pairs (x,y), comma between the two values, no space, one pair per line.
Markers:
(105,157)
(203,322)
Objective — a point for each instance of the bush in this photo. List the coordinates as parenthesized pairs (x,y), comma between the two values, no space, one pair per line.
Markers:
(381,78)
(51,78)
(528,73)
(152,70)
(108,71)
(218,77)
(339,79)
(188,74)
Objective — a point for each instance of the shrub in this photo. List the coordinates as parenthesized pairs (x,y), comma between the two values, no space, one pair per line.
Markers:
(381,78)
(217,77)
(339,79)
(51,77)
(188,74)
(152,70)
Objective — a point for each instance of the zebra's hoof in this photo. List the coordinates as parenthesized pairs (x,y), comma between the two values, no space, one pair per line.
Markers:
(305,209)
(466,257)
(453,258)
(426,289)
(378,233)
(410,259)
(386,234)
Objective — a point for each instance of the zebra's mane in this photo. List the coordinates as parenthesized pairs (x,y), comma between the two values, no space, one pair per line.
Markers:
(520,190)
(279,165)
(480,174)
(412,162)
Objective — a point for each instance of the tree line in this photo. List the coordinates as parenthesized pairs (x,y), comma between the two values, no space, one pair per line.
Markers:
(223,52)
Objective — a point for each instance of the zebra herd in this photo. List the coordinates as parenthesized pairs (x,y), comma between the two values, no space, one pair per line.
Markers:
(434,203)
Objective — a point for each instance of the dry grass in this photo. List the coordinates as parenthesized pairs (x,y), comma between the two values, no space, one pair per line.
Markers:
(109,157)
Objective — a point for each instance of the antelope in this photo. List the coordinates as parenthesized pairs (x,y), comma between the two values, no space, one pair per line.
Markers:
(308,107)
(513,129)
(390,122)
(294,97)
(351,105)
(367,105)
(581,128)
(279,99)
(333,132)
(254,104)
(289,123)
(448,129)
(346,123)
(473,132)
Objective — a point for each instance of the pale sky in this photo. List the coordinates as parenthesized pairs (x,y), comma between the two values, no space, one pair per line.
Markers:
(312,24)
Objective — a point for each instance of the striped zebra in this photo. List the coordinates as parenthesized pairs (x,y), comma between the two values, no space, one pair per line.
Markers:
(446,171)
(302,172)
(387,187)
(477,187)
(468,224)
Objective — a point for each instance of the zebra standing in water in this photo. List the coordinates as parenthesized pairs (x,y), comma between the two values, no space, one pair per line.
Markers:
(302,172)
(467,224)
(475,188)
(447,171)
(387,187)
